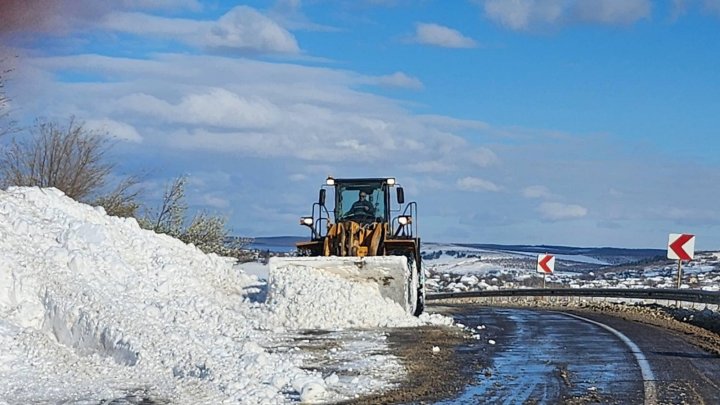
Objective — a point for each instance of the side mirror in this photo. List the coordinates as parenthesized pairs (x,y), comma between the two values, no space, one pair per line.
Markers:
(400,195)
(321,197)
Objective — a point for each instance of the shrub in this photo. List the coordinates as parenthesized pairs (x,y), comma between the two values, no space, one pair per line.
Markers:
(207,232)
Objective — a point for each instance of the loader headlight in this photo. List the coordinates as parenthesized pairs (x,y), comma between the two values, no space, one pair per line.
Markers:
(330,181)
(390,181)
(307,221)
(405,219)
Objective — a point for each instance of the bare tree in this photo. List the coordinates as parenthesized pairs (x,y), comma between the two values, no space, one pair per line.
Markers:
(6,124)
(170,217)
(70,158)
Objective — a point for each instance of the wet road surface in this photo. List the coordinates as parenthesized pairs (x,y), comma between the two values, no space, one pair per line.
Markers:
(550,357)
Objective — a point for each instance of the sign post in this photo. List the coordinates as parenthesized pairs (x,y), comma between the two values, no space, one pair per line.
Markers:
(545,265)
(681,246)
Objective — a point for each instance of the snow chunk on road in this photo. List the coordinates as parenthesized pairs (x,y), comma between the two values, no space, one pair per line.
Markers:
(301,297)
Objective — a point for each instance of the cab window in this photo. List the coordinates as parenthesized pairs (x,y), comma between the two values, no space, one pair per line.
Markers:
(349,194)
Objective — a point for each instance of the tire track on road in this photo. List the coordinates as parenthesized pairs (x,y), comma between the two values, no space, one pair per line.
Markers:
(645,369)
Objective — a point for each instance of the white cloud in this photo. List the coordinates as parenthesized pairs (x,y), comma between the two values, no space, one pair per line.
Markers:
(685,215)
(399,79)
(482,157)
(152,25)
(476,184)
(290,15)
(537,192)
(712,6)
(555,211)
(521,14)
(194,5)
(253,108)
(431,166)
(244,28)
(59,18)
(241,29)
(114,129)
(216,107)
(530,14)
(450,123)
(214,201)
(612,12)
(438,35)
(680,7)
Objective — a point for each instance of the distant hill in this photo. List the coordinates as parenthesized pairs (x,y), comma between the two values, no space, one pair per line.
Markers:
(276,243)
(609,255)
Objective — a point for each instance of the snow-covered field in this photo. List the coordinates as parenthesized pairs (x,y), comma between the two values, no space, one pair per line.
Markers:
(457,268)
(95,309)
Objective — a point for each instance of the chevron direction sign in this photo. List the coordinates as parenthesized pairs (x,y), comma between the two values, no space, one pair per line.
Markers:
(681,246)
(545,264)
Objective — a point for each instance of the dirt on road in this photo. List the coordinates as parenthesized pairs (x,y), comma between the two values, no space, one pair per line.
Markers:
(441,361)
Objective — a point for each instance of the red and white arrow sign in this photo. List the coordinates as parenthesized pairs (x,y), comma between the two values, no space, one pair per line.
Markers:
(546,264)
(681,246)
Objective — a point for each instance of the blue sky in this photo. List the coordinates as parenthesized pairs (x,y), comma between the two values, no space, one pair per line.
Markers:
(527,121)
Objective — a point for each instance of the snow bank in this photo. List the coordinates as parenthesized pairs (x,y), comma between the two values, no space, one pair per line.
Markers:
(144,311)
(94,308)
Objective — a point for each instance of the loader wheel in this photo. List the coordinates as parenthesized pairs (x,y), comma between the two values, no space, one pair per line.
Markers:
(413,289)
(420,307)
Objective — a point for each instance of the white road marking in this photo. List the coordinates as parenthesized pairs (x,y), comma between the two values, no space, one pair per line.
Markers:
(645,370)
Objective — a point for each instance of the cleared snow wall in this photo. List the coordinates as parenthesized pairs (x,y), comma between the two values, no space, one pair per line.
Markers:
(78,329)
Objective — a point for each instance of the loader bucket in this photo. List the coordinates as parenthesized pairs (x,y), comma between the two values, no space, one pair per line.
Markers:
(391,274)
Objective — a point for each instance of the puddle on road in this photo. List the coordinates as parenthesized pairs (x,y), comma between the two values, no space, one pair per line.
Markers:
(548,358)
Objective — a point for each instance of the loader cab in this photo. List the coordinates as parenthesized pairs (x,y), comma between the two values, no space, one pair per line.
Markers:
(362,202)
(365,202)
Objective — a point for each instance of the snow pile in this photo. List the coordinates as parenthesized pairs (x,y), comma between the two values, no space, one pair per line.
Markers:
(76,280)
(303,297)
(93,308)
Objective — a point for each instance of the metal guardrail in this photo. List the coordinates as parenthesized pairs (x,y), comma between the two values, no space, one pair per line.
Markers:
(699,296)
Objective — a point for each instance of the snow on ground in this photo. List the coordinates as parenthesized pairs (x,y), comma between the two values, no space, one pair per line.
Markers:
(93,308)
(456,268)
(450,253)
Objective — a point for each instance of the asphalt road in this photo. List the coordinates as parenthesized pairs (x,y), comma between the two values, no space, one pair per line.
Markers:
(551,357)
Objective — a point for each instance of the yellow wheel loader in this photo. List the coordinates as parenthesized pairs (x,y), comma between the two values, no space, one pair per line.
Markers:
(368,236)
